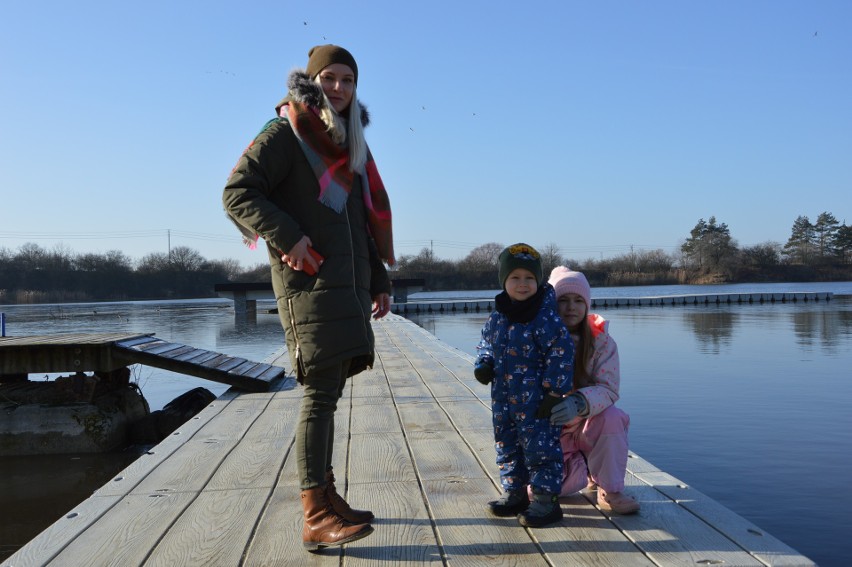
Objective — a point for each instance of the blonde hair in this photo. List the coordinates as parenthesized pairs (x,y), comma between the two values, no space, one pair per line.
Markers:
(338,128)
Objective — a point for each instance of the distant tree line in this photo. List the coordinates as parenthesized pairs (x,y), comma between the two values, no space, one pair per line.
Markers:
(34,274)
(818,251)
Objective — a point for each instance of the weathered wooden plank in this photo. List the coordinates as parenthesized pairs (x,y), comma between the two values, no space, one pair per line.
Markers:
(470,537)
(380,458)
(745,534)
(176,354)
(50,543)
(443,455)
(124,482)
(371,385)
(229,363)
(190,467)
(36,358)
(214,530)
(196,356)
(160,347)
(215,367)
(66,529)
(586,537)
(467,414)
(216,361)
(243,368)
(376,418)
(69,339)
(404,533)
(272,373)
(278,535)
(127,532)
(423,416)
(257,370)
(670,535)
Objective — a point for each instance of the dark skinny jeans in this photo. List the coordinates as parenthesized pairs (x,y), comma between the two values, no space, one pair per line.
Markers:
(315,427)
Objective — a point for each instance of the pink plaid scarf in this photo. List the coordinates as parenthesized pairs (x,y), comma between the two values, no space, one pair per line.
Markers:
(330,163)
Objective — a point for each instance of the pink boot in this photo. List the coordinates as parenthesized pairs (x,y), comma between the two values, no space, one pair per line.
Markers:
(616,502)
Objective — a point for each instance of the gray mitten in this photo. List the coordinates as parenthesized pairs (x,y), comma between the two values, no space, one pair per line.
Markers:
(567,409)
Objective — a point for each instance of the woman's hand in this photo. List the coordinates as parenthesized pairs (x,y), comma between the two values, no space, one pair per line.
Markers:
(381,305)
(298,256)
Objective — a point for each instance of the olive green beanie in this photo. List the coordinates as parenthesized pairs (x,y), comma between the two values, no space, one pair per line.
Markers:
(321,56)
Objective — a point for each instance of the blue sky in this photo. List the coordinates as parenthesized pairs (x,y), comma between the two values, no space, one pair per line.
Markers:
(595,126)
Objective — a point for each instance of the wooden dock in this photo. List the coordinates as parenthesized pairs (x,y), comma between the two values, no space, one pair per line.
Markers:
(87,352)
(414,444)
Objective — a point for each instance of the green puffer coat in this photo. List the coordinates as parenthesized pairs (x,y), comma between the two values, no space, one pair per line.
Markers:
(274,192)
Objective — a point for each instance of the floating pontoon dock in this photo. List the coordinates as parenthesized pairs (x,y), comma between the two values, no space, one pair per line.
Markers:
(414,444)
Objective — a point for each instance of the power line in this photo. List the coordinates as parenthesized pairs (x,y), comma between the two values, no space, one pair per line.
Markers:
(158,233)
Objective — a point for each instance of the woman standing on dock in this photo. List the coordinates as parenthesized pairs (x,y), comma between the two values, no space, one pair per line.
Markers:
(308,186)
(594,431)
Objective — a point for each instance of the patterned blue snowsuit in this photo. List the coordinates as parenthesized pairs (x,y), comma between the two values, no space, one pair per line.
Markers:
(530,359)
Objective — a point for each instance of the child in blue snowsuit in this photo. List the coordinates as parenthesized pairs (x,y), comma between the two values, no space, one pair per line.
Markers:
(527,355)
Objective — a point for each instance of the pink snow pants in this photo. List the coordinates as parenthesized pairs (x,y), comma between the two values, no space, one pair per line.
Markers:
(597,448)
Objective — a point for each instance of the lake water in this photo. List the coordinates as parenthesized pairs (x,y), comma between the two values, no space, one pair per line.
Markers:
(750,404)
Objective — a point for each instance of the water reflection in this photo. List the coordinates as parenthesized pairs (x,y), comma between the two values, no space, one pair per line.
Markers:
(713,329)
(37,490)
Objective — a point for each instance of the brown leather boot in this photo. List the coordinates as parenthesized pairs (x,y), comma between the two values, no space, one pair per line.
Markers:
(323,527)
(340,506)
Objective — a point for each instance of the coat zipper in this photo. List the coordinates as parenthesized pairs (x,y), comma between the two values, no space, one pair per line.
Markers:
(295,334)
(354,283)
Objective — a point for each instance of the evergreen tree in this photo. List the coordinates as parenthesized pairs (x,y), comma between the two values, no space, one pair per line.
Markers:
(825,230)
(710,245)
(799,247)
(842,243)
(692,248)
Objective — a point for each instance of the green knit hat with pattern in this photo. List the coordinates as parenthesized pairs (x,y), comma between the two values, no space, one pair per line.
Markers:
(519,256)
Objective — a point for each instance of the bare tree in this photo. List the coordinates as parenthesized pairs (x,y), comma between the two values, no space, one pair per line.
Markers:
(482,258)
(550,258)
(766,255)
(186,259)
(154,262)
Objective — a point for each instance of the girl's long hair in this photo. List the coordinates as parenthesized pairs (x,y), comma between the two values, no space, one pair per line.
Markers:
(583,354)
(339,127)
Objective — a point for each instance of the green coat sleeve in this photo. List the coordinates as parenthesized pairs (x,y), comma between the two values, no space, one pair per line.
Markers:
(261,170)
(379,279)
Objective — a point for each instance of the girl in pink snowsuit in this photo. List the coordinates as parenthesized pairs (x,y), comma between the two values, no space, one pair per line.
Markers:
(594,432)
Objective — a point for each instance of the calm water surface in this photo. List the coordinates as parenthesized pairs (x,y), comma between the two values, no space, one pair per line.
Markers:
(749,404)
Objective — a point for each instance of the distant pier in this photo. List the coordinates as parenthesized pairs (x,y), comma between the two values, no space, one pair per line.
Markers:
(245,296)
(486,306)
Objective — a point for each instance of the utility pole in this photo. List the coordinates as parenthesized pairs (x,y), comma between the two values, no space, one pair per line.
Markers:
(169,238)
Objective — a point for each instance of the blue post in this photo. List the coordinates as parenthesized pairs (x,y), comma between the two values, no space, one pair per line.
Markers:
(2,324)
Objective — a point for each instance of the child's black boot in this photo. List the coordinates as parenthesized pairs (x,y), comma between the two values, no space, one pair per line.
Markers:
(510,504)
(543,510)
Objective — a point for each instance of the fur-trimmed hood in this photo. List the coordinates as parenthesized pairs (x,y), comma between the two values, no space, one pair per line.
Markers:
(301,88)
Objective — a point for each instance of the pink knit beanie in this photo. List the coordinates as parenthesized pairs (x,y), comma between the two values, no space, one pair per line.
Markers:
(565,281)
